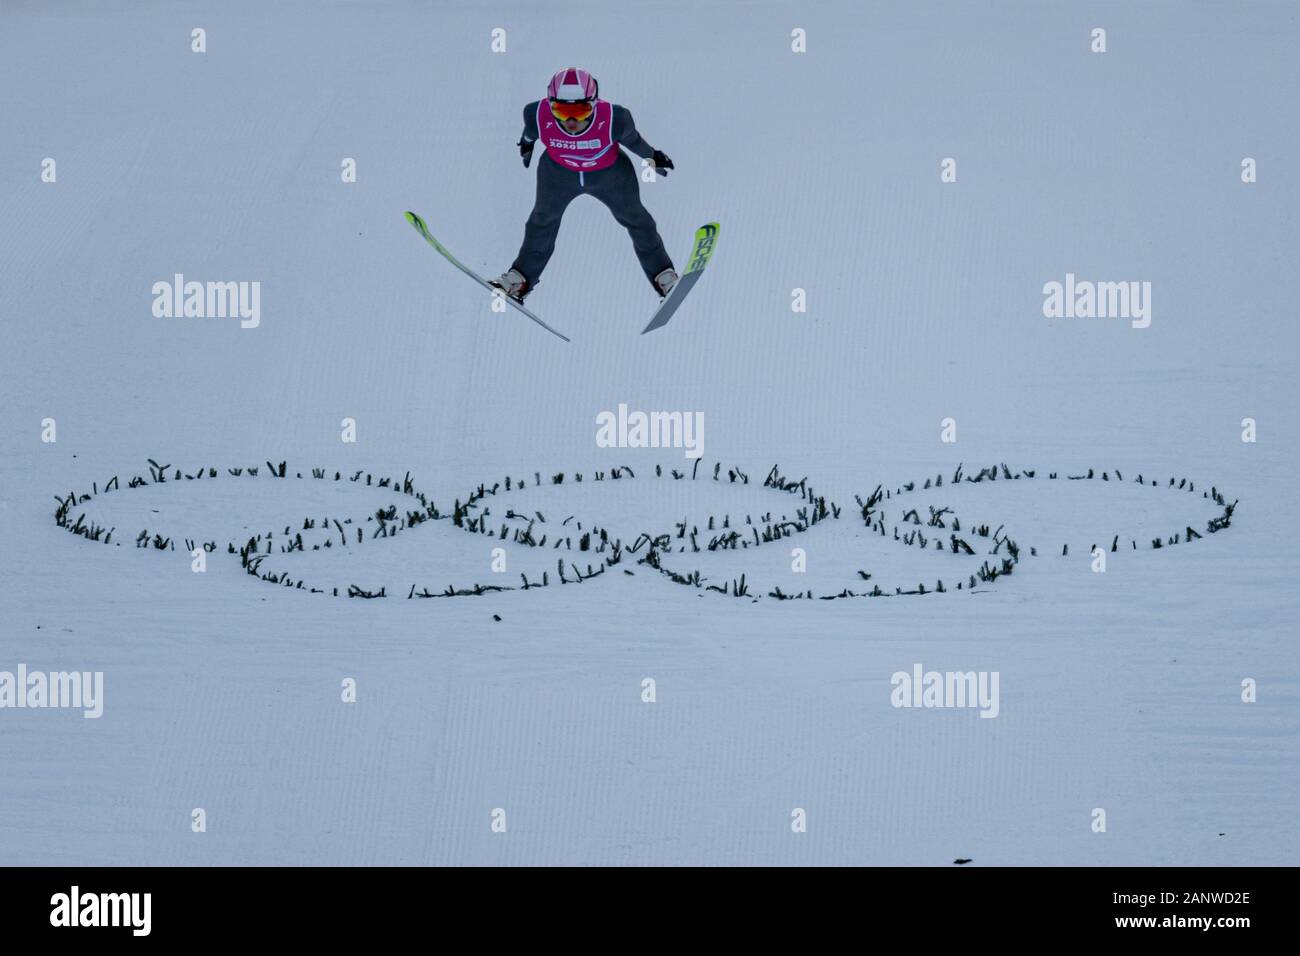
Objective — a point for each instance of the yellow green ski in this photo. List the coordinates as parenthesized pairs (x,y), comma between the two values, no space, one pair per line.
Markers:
(706,238)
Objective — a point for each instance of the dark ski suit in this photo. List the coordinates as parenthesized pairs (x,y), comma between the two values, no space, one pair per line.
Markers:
(617,186)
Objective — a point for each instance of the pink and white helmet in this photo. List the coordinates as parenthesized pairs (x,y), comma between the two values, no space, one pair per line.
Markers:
(571,85)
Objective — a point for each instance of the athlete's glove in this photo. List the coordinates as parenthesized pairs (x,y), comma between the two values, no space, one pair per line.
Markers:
(661,162)
(526,150)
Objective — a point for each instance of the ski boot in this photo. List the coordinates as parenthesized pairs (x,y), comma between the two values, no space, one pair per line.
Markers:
(513,284)
(664,282)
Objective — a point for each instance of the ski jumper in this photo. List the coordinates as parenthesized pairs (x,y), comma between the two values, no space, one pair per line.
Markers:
(587,162)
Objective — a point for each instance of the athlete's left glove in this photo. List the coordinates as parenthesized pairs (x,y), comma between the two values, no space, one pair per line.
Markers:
(661,162)
(526,150)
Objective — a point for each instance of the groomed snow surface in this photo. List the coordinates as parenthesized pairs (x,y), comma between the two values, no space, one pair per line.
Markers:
(1119,691)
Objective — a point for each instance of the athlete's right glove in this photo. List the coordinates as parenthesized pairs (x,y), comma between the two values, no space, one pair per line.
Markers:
(661,162)
(525,150)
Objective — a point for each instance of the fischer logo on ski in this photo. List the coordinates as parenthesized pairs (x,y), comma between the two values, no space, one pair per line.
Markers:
(705,239)
(703,247)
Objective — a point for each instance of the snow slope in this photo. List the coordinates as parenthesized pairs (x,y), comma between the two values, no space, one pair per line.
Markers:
(1119,691)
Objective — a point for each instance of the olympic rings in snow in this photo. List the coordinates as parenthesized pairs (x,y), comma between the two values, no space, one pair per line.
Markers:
(584,552)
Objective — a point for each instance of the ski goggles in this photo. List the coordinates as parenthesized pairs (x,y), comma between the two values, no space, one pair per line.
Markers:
(580,110)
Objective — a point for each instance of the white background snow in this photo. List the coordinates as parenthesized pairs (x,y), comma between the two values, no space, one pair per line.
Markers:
(1118,690)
